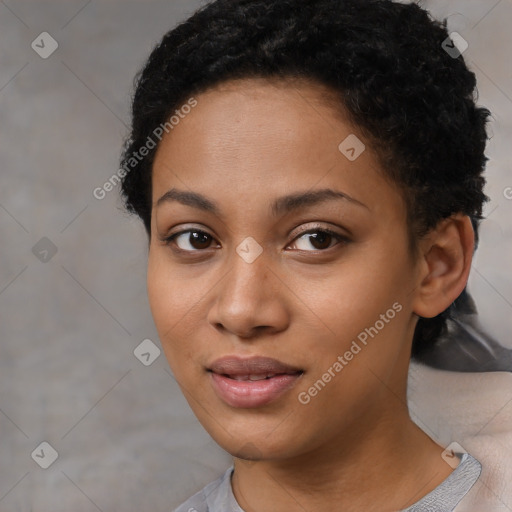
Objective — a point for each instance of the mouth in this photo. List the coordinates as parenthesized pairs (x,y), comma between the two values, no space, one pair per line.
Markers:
(252,382)
(254,377)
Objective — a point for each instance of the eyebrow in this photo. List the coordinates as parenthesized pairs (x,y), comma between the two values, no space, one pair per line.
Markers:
(280,206)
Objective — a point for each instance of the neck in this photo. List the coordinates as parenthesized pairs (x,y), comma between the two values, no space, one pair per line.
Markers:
(383,463)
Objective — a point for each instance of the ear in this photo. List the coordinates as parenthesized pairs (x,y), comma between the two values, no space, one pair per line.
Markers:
(446,253)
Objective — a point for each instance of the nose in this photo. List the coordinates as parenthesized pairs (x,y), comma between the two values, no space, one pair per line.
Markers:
(251,300)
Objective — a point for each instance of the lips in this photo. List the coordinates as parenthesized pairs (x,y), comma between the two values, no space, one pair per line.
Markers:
(237,367)
(252,382)
(253,376)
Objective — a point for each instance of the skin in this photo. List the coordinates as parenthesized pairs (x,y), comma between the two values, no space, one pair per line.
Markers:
(353,446)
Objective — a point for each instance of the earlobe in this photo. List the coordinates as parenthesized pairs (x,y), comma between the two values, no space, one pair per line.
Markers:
(446,253)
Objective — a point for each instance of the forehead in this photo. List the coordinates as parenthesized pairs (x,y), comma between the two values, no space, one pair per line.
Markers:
(260,137)
(252,117)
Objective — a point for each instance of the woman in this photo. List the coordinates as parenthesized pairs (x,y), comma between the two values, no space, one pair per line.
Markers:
(310,178)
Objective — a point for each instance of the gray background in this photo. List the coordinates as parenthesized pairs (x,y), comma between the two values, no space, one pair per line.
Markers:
(125,436)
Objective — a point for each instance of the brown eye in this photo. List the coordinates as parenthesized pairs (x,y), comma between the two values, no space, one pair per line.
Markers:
(191,240)
(319,239)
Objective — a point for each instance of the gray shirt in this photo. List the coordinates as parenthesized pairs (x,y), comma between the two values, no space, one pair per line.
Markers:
(218,495)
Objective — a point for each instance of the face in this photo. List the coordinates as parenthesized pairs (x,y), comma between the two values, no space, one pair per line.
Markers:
(279,276)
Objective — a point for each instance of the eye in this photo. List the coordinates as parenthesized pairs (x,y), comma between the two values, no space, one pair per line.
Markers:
(196,240)
(320,239)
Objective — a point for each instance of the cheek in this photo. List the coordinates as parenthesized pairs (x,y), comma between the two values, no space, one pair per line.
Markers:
(363,301)
(172,306)
(359,290)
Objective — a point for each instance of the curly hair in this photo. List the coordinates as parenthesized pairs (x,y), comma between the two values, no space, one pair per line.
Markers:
(387,67)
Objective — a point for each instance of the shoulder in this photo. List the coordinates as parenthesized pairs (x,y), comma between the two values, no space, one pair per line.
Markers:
(211,498)
(474,409)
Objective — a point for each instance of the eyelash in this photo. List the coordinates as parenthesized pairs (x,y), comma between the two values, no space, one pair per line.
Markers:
(340,238)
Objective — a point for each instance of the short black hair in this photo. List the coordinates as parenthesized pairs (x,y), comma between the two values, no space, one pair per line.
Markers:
(385,61)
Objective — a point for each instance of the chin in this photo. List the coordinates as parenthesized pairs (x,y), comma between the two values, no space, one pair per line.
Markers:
(255,443)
